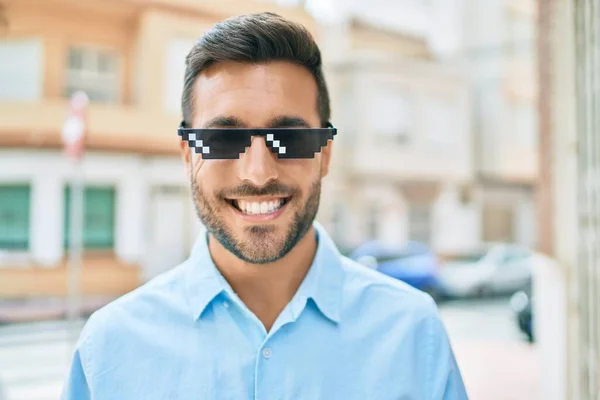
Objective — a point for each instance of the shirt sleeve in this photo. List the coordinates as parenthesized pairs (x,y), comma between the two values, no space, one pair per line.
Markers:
(454,387)
(446,379)
(76,384)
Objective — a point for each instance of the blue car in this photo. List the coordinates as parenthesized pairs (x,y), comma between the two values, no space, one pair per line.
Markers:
(414,263)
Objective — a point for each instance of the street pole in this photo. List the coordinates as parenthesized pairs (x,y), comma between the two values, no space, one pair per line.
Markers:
(74,138)
(75,243)
(545,185)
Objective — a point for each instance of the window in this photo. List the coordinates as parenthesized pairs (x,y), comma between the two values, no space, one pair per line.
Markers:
(390,114)
(98,217)
(441,124)
(14,217)
(94,71)
(22,77)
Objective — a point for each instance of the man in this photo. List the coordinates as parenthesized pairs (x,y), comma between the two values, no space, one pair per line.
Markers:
(265,307)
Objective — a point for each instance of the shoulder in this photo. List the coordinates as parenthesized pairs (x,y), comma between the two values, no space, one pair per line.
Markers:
(159,298)
(392,311)
(366,288)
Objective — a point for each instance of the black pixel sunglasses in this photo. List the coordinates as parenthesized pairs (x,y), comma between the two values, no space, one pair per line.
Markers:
(229,143)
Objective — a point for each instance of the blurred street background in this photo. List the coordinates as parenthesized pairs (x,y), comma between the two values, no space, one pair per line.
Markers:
(467,165)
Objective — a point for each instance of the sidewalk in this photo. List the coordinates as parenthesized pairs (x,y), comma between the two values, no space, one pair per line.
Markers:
(498,370)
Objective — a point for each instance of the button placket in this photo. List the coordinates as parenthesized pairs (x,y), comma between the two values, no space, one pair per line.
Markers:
(267,353)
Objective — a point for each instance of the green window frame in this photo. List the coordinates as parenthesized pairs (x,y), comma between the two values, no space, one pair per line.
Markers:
(15,207)
(98,220)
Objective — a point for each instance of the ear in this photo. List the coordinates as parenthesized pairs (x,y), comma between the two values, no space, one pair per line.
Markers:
(326,158)
(186,155)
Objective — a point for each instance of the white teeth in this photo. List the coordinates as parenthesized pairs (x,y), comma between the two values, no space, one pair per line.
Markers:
(264,207)
(254,208)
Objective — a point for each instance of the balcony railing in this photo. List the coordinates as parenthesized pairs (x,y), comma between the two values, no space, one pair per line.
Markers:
(110,127)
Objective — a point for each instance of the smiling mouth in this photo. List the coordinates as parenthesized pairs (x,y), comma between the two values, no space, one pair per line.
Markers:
(267,207)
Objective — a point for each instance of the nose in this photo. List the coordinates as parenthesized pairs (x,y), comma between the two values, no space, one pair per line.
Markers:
(258,165)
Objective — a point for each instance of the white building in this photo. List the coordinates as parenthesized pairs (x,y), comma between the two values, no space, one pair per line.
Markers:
(498,49)
(403,160)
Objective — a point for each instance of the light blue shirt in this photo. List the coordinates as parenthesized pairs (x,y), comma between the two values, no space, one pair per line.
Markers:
(348,333)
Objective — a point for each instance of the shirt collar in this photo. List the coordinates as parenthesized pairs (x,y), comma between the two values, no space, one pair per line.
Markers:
(202,278)
(323,283)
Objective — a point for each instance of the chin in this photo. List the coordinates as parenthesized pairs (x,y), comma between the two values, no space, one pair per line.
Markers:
(257,254)
(262,244)
(263,236)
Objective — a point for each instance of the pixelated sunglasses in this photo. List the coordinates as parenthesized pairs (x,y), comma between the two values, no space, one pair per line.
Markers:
(229,143)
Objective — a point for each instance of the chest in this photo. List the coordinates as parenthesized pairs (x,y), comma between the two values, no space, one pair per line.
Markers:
(224,361)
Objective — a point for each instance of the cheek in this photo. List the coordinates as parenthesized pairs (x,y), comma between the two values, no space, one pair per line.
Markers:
(212,175)
(301,174)
(212,170)
(301,168)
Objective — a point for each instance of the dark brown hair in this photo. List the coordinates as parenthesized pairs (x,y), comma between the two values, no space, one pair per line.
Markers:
(255,38)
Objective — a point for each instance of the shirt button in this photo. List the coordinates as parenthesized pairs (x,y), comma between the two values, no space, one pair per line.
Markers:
(225,304)
(267,353)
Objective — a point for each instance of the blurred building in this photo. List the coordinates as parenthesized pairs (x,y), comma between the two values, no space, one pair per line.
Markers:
(129,57)
(403,161)
(569,292)
(498,50)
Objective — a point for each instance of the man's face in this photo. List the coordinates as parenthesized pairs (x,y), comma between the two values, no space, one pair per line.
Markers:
(258,206)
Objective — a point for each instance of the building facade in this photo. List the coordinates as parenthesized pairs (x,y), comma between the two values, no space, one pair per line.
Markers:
(499,51)
(129,58)
(403,161)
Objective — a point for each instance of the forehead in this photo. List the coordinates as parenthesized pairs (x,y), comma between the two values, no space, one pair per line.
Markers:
(255,93)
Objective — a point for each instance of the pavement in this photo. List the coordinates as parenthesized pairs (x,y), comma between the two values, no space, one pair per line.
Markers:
(499,370)
(35,358)
(496,361)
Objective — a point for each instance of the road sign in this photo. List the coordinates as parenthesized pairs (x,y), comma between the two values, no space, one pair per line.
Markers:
(73,131)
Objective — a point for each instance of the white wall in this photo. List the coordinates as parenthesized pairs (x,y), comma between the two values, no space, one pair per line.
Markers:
(494,51)
(46,223)
(175,55)
(49,171)
(439,145)
(445,34)
(168,225)
(132,202)
(411,17)
(483,28)
(391,216)
(456,225)
(525,222)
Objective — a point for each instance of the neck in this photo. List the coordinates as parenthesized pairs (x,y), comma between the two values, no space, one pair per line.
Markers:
(266,288)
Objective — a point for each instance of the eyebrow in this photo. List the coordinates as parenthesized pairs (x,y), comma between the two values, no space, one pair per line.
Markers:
(280,121)
(284,121)
(225,122)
